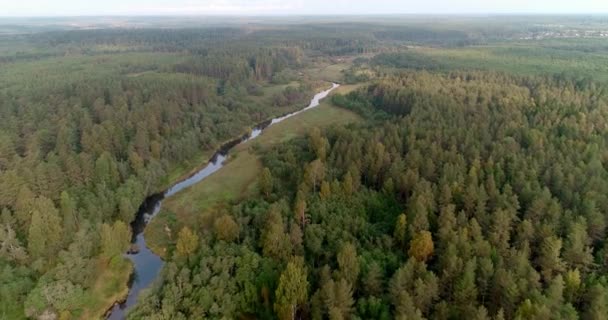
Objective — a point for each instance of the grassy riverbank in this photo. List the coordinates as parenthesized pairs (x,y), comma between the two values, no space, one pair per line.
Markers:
(238,178)
(188,167)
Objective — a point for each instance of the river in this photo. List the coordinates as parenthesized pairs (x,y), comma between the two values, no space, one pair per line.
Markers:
(146,264)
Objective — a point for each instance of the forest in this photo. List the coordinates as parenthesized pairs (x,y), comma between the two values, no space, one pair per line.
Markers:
(474,185)
(408,216)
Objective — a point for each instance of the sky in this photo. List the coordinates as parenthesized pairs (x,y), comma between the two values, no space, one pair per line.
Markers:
(27,8)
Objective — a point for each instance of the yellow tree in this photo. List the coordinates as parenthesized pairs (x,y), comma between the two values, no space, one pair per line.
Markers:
(187,242)
(325,190)
(226,228)
(421,246)
(348,261)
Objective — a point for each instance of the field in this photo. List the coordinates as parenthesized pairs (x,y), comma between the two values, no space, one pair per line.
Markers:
(238,178)
(332,72)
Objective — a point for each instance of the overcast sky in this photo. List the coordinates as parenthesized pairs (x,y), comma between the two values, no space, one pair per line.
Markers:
(291,7)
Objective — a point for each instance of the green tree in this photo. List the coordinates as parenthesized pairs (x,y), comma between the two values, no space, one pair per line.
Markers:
(275,241)
(338,299)
(69,214)
(45,231)
(266,182)
(292,291)
(577,252)
(314,173)
(549,259)
(400,232)
(115,239)
(597,303)
(318,143)
(373,280)
(24,205)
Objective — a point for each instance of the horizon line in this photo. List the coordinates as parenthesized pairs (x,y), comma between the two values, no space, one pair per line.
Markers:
(287,15)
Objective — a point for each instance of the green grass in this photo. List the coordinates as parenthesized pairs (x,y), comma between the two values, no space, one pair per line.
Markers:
(184,169)
(272,89)
(332,72)
(238,179)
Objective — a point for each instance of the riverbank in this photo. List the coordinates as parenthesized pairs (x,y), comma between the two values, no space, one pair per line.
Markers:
(189,167)
(147,264)
(111,287)
(238,178)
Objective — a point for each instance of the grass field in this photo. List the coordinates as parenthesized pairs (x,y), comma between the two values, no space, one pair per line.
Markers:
(196,205)
(332,72)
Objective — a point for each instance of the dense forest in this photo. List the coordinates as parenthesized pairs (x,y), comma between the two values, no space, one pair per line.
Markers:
(84,139)
(470,195)
(468,190)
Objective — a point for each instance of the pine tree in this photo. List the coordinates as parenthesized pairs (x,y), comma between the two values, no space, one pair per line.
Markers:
(549,257)
(348,261)
(348,185)
(577,252)
(45,231)
(338,299)
(400,232)
(23,208)
(314,173)
(292,291)
(597,303)
(69,214)
(373,281)
(275,241)
(266,182)
(318,143)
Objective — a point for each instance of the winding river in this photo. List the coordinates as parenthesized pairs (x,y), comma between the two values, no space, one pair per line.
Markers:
(146,264)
